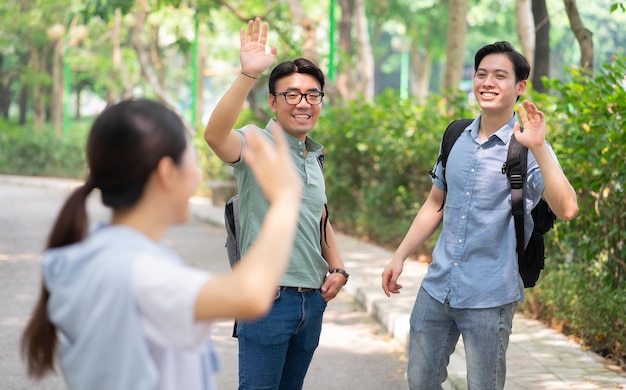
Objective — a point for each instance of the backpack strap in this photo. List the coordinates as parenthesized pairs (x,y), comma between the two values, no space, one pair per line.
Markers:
(324,221)
(515,170)
(231,220)
(450,135)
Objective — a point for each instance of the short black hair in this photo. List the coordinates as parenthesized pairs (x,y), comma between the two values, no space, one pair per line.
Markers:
(299,65)
(520,63)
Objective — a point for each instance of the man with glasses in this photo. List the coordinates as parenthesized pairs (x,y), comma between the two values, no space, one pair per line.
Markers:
(275,351)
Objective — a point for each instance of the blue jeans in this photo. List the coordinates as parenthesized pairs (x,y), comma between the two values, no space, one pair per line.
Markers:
(435,330)
(275,351)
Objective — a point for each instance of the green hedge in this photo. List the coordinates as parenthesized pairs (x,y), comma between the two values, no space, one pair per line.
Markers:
(24,151)
(584,287)
(378,155)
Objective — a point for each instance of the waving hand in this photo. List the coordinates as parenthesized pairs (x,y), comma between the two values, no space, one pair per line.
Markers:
(253,56)
(534,126)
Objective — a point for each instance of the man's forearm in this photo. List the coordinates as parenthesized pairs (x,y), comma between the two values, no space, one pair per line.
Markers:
(227,110)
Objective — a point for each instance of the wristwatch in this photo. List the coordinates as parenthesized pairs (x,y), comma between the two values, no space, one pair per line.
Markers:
(341,271)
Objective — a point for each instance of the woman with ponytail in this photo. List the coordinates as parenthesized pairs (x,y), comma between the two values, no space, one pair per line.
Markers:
(118,309)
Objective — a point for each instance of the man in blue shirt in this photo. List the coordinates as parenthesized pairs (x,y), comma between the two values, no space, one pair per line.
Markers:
(472,287)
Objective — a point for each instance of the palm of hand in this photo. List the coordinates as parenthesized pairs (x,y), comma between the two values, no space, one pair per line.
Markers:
(253,55)
(533,124)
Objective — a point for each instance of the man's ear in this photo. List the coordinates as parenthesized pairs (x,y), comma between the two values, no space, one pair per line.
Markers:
(521,87)
(271,100)
(165,172)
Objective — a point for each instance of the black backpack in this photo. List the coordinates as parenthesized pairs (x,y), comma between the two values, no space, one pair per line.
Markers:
(231,222)
(531,260)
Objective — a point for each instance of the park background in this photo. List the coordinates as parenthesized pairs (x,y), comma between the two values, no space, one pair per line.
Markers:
(398,72)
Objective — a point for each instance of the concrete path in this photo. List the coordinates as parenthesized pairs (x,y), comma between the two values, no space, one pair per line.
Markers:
(351,343)
(539,358)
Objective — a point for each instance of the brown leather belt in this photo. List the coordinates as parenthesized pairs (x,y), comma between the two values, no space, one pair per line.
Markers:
(298,289)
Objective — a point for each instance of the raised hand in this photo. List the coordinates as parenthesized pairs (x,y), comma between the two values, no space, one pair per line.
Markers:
(533,123)
(272,165)
(253,55)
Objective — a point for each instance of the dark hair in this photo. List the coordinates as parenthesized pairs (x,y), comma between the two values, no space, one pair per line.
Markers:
(125,145)
(299,65)
(520,63)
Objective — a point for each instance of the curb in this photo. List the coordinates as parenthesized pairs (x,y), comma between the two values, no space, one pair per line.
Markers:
(538,357)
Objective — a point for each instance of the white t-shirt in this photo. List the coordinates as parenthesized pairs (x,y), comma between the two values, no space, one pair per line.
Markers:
(124,307)
(166,295)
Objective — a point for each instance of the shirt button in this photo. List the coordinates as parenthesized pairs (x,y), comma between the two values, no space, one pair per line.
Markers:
(463,217)
(472,170)
(460,240)
(456,264)
(467,193)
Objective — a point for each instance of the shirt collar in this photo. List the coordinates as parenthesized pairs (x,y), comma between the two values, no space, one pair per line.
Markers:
(294,143)
(504,134)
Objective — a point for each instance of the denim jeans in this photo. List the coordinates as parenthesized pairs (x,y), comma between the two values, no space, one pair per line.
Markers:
(435,330)
(275,351)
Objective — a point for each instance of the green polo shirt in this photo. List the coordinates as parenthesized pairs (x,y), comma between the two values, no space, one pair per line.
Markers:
(307,267)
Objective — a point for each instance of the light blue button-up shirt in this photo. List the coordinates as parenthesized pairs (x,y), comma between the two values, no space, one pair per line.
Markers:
(475,261)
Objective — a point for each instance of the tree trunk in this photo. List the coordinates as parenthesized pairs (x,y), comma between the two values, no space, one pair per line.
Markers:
(58,81)
(202,54)
(365,70)
(345,82)
(455,45)
(422,68)
(79,90)
(542,45)
(143,51)
(582,34)
(119,67)
(5,91)
(299,17)
(155,54)
(526,29)
(23,103)
(38,102)
(5,100)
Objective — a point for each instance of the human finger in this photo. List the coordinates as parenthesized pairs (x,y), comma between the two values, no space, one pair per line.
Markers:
(256,30)
(263,37)
(250,30)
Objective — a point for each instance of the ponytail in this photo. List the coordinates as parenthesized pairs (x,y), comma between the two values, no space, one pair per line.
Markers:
(39,340)
(71,223)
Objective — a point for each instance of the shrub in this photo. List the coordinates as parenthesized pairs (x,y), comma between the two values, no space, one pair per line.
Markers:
(584,284)
(24,151)
(378,157)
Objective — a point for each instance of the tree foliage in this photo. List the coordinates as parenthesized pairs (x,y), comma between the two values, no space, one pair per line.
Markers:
(583,289)
(592,116)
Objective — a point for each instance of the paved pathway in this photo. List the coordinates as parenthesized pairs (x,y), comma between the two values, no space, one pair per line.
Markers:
(351,343)
(539,358)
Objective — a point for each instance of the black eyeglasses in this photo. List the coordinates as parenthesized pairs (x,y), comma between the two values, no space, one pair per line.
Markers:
(295,97)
